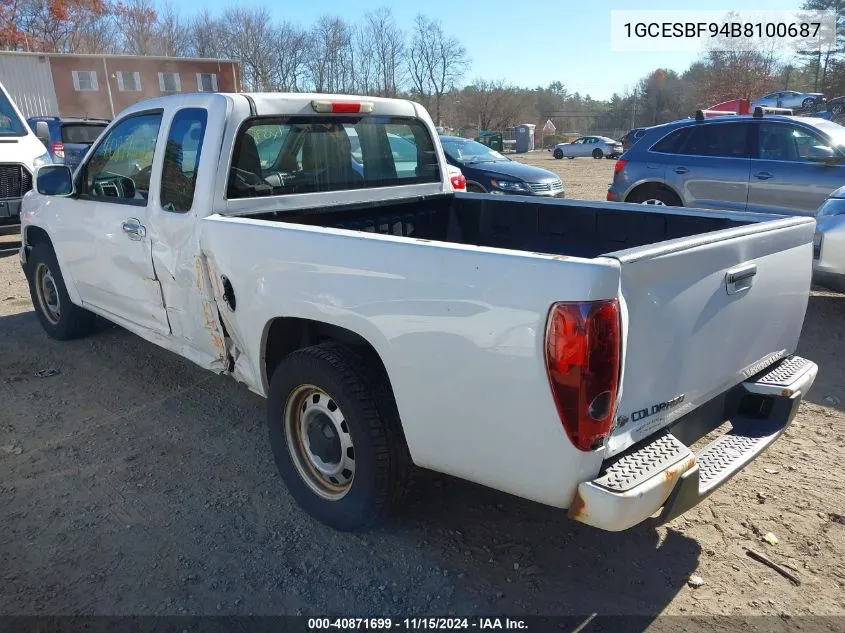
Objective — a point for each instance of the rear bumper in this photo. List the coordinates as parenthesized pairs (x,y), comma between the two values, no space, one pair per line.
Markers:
(666,476)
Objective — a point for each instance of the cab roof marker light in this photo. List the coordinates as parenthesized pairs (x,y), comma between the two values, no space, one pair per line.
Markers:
(343,107)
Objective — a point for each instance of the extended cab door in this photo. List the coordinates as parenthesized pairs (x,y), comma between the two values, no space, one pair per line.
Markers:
(104,230)
(784,179)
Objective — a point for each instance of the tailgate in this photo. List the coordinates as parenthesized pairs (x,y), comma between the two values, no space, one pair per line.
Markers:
(702,314)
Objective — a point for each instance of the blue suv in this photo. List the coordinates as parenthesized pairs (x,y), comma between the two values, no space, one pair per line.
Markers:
(761,163)
(70,138)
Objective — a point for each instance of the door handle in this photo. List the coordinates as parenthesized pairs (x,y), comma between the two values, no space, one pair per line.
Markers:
(681,170)
(739,279)
(762,175)
(134,229)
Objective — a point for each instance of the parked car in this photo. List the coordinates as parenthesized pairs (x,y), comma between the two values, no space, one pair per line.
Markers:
(567,352)
(829,243)
(632,137)
(69,138)
(835,106)
(595,146)
(789,99)
(22,153)
(767,164)
(488,171)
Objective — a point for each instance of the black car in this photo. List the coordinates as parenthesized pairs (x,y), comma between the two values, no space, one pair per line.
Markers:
(70,138)
(632,137)
(488,171)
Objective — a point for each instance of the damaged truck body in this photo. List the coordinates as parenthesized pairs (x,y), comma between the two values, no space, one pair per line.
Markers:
(567,352)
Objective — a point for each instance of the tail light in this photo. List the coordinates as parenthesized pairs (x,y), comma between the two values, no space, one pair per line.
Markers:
(57,148)
(459,182)
(619,166)
(583,349)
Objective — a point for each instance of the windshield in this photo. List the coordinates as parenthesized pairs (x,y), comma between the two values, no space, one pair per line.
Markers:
(835,131)
(471,152)
(10,124)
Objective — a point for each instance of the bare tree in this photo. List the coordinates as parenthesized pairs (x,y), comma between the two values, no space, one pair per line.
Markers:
(172,33)
(494,104)
(386,49)
(436,62)
(136,21)
(206,34)
(332,56)
(249,36)
(290,52)
(365,66)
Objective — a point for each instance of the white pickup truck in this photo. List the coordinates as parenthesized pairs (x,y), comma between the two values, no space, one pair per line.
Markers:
(567,352)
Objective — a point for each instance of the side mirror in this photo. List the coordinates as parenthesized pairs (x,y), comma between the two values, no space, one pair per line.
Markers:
(43,133)
(822,154)
(54,180)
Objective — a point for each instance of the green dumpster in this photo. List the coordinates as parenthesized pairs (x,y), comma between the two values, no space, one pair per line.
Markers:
(491,140)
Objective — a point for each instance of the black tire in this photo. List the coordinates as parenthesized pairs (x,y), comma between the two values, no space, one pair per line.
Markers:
(655,193)
(357,387)
(475,188)
(597,153)
(808,103)
(558,154)
(571,157)
(71,321)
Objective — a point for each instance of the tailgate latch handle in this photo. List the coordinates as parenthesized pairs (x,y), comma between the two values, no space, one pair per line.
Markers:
(739,279)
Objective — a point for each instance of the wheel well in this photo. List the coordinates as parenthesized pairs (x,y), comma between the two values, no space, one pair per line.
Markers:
(646,186)
(285,335)
(475,185)
(36,235)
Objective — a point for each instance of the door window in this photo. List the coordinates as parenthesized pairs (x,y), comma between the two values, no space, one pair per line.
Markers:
(119,169)
(778,141)
(181,159)
(725,140)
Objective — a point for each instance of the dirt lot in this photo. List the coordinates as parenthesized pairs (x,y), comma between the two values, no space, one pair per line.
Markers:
(584,178)
(135,483)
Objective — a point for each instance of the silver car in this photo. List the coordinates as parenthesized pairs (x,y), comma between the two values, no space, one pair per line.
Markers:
(595,146)
(789,99)
(766,164)
(829,243)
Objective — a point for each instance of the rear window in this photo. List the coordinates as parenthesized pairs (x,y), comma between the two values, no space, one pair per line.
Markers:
(289,155)
(81,133)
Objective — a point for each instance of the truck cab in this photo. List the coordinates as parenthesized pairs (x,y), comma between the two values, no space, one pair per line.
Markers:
(21,154)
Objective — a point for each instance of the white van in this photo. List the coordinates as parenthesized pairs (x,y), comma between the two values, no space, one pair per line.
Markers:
(21,153)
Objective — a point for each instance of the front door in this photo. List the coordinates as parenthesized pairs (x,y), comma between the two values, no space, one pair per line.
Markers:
(108,248)
(784,179)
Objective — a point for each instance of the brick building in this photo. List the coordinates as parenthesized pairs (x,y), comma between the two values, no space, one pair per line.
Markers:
(100,86)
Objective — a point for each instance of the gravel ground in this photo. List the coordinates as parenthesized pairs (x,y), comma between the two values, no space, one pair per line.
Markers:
(583,178)
(136,483)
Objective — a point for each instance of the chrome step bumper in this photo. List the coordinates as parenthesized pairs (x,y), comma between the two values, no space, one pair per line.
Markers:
(667,476)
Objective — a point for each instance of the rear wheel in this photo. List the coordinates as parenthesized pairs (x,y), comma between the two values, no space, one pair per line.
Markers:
(558,153)
(336,436)
(61,319)
(597,153)
(654,195)
(808,103)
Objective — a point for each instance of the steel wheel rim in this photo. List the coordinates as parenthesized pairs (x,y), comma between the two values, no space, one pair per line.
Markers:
(655,202)
(48,294)
(319,442)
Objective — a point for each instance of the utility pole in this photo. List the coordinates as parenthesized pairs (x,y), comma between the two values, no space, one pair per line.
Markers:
(634,111)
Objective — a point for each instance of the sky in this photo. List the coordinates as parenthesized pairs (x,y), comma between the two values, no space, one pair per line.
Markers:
(527,43)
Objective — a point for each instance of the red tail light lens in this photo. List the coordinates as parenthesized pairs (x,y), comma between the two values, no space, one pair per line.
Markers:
(619,166)
(459,183)
(58,148)
(583,349)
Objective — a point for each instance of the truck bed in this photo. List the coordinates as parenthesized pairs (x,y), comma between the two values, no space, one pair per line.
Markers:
(559,227)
